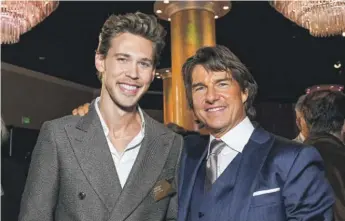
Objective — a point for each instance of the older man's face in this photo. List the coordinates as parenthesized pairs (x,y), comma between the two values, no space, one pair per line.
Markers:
(218,101)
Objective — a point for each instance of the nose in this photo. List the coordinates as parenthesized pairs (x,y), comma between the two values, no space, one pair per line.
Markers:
(211,95)
(132,71)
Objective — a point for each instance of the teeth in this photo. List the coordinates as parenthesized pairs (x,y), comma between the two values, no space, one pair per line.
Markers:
(128,87)
(215,109)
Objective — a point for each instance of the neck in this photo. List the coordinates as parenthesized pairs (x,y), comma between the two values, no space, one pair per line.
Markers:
(218,133)
(117,119)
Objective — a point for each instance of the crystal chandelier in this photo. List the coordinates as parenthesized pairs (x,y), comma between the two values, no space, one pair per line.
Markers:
(18,17)
(321,17)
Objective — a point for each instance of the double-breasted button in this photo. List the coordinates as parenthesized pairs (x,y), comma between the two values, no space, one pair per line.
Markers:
(82,195)
(200,214)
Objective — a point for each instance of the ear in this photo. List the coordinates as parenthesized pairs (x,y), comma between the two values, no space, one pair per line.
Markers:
(244,96)
(153,74)
(99,63)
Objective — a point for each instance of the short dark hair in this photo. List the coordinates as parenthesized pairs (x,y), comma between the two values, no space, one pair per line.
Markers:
(137,23)
(324,111)
(299,103)
(220,58)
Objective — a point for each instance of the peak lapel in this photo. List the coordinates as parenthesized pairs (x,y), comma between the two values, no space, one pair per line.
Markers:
(93,155)
(253,158)
(148,166)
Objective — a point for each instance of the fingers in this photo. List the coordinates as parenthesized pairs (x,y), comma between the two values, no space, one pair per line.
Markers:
(81,110)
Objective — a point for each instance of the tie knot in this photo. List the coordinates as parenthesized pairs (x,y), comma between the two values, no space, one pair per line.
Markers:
(216,146)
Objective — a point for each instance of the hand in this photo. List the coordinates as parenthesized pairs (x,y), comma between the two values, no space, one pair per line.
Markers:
(81,110)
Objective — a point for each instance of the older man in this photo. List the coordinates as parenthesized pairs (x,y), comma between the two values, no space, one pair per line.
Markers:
(240,172)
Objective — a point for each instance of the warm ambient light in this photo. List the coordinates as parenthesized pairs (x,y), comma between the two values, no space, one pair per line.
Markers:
(18,17)
(159,11)
(226,7)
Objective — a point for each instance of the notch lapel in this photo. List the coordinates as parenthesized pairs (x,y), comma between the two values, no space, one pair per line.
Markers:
(254,156)
(93,155)
(195,154)
(148,166)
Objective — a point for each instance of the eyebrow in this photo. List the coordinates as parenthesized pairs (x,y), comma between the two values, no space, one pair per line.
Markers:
(223,79)
(197,85)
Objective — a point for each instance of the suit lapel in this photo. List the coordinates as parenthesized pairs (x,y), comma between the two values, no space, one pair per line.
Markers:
(148,166)
(195,155)
(93,155)
(253,158)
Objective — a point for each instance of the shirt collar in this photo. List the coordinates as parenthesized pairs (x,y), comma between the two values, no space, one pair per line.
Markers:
(237,137)
(104,125)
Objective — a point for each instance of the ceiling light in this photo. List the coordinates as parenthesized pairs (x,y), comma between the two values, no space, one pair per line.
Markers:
(343,34)
(166,1)
(226,7)
(169,19)
(216,16)
(337,65)
(159,11)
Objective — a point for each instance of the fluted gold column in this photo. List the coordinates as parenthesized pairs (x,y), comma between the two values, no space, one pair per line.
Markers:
(192,26)
(167,95)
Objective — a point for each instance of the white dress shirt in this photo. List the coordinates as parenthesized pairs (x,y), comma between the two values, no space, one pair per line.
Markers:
(235,140)
(123,161)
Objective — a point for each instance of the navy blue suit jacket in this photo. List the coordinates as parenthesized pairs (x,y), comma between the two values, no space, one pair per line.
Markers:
(268,162)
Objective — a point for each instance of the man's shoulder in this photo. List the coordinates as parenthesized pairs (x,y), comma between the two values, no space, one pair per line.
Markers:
(195,144)
(285,151)
(62,122)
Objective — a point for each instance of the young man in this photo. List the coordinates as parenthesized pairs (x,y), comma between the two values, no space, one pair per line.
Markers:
(115,163)
(241,172)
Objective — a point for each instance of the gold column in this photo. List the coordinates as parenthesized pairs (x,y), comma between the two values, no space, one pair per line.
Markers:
(192,26)
(167,82)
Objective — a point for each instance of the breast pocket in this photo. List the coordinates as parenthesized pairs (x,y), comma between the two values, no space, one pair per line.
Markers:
(269,198)
(267,207)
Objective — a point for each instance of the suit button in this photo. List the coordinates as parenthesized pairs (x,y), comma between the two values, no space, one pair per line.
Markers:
(201,214)
(82,195)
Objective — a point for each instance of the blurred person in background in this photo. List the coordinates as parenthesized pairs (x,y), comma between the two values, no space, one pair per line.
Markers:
(324,113)
(300,121)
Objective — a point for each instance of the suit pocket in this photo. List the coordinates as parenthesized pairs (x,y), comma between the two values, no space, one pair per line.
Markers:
(270,212)
(266,199)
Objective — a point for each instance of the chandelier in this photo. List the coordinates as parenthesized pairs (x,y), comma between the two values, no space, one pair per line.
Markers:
(321,17)
(18,17)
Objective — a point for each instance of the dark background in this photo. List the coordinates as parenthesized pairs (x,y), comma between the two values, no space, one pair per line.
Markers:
(284,58)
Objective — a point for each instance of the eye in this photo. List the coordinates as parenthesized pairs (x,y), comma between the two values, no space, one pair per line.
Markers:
(199,88)
(121,60)
(223,84)
(145,64)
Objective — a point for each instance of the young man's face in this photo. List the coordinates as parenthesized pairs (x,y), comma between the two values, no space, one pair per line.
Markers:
(127,70)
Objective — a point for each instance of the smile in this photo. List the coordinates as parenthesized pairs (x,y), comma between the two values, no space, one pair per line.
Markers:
(132,89)
(215,109)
